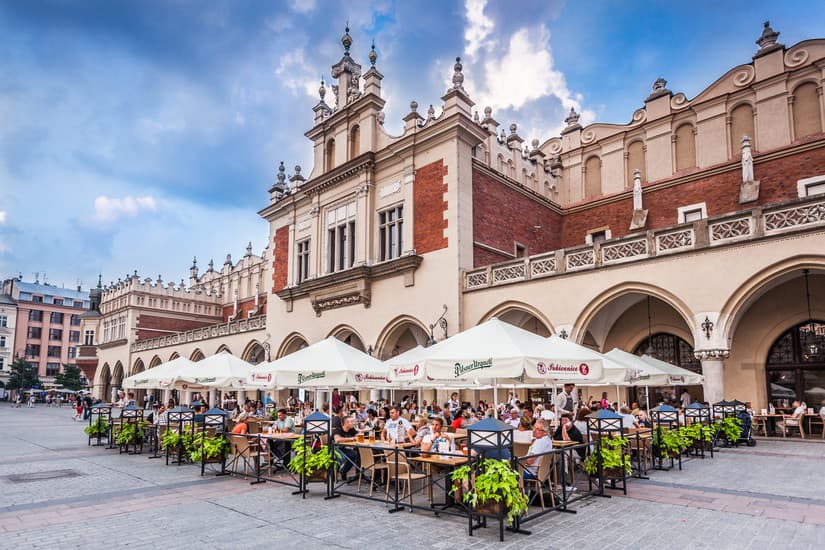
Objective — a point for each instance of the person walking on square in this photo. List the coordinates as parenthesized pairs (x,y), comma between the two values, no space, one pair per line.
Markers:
(31,400)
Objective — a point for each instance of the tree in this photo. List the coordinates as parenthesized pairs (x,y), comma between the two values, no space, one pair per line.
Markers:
(22,376)
(70,378)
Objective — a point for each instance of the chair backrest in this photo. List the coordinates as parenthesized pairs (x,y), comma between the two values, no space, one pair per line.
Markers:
(367,458)
(545,466)
(241,444)
(521,449)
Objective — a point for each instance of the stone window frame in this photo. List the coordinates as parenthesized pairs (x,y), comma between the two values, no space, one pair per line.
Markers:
(589,238)
(683,211)
(804,186)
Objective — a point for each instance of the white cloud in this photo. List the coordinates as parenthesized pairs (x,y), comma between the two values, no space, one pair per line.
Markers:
(108,209)
(3,216)
(295,74)
(479,28)
(302,6)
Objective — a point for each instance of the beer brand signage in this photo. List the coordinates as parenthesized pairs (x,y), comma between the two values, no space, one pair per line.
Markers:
(548,369)
(262,377)
(676,379)
(406,372)
(208,380)
(460,369)
(141,381)
(305,377)
(366,377)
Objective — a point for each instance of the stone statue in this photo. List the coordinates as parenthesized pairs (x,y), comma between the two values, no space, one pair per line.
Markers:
(747,160)
(637,189)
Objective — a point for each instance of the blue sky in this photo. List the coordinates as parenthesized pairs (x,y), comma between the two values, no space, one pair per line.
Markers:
(138,134)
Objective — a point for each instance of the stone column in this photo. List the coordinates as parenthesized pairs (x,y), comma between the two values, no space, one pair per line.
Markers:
(211,398)
(241,397)
(167,395)
(713,363)
(187,398)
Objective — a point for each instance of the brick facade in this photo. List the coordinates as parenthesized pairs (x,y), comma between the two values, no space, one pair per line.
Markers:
(152,326)
(244,307)
(280,258)
(428,200)
(503,216)
(720,192)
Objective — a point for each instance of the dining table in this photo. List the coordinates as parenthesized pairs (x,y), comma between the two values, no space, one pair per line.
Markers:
(445,463)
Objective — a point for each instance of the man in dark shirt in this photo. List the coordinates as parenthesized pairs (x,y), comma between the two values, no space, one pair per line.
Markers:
(569,432)
(346,433)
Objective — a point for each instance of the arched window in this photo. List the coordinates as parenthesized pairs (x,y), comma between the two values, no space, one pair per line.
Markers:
(741,124)
(354,142)
(806,116)
(796,366)
(592,177)
(635,159)
(685,147)
(330,155)
(671,349)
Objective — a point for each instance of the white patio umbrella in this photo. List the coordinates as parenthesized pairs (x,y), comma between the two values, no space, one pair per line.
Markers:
(161,376)
(222,370)
(329,363)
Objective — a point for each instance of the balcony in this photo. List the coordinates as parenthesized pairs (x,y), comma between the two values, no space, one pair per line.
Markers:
(205,333)
(707,233)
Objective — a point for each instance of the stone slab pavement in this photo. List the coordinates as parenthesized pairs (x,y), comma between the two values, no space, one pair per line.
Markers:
(769,496)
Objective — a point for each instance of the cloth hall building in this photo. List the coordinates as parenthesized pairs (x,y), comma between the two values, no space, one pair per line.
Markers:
(696,231)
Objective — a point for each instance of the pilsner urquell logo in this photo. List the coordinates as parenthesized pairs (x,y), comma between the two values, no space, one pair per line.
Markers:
(311,376)
(204,380)
(475,365)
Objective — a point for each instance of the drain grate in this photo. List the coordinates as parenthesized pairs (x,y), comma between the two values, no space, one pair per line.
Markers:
(42,476)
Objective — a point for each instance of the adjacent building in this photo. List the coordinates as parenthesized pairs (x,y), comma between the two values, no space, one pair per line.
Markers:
(8,320)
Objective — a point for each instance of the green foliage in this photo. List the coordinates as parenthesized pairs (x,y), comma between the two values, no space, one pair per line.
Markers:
(308,462)
(22,376)
(171,439)
(670,443)
(697,433)
(131,432)
(731,428)
(70,378)
(99,428)
(210,447)
(613,456)
(496,481)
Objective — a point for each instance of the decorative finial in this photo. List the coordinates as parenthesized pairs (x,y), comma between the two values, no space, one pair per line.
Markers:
(503,135)
(346,40)
(281,173)
(475,117)
(211,265)
(381,117)
(768,37)
(535,144)
(513,128)
(100,280)
(373,56)
(572,117)
(488,112)
(458,76)
(430,113)
(322,91)
(413,106)
(660,84)
(249,249)
(195,261)
(228,259)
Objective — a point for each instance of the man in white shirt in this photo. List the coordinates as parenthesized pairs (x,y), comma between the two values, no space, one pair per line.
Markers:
(685,398)
(628,420)
(566,401)
(798,409)
(542,444)
(514,418)
(391,427)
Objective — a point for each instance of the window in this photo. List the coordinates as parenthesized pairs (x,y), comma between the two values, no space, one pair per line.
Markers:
(58,301)
(2,363)
(341,238)
(692,213)
(390,232)
(37,299)
(75,320)
(35,333)
(795,368)
(685,147)
(4,321)
(806,120)
(74,336)
(36,315)
(598,235)
(77,304)
(592,177)
(53,351)
(521,250)
(72,353)
(55,334)
(672,349)
(106,331)
(303,261)
(635,159)
(741,124)
(808,187)
(56,318)
(89,338)
(52,369)
(32,350)
(2,341)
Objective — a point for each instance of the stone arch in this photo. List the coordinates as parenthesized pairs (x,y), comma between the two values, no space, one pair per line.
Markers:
(741,124)
(398,336)
(103,384)
(354,142)
(254,353)
(592,177)
(155,362)
(292,343)
(636,158)
(117,375)
(806,110)
(348,335)
(137,367)
(629,293)
(196,355)
(521,315)
(685,146)
(174,356)
(758,284)
(223,347)
(329,155)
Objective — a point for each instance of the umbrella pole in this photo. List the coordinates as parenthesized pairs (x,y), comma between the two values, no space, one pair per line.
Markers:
(618,399)
(647,400)
(495,393)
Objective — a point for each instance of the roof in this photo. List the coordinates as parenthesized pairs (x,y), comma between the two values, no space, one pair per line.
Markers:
(49,290)
(5,299)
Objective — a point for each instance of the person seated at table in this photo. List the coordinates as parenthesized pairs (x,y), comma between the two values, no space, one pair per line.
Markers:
(514,418)
(798,409)
(422,429)
(524,432)
(337,416)
(464,419)
(549,414)
(346,433)
(634,409)
(372,422)
(628,420)
(397,424)
(643,420)
(258,409)
(361,413)
(241,426)
(438,434)
(541,444)
(567,431)
(283,423)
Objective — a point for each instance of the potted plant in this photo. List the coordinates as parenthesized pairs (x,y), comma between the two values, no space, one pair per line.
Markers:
(311,464)
(495,485)
(183,441)
(208,448)
(731,428)
(131,433)
(670,443)
(615,462)
(98,429)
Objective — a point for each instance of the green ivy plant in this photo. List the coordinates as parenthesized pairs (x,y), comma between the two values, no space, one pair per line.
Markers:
(613,456)
(731,428)
(306,461)
(208,448)
(171,439)
(496,481)
(98,428)
(131,432)
(670,443)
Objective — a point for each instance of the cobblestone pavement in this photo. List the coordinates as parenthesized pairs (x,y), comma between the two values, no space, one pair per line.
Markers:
(769,496)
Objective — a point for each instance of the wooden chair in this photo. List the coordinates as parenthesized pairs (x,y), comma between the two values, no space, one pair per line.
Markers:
(403,474)
(760,424)
(791,422)
(547,466)
(521,449)
(368,463)
(642,447)
(244,449)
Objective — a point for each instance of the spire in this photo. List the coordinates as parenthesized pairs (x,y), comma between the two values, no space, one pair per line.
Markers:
(322,91)
(373,56)
(346,40)
(768,37)
(249,249)
(100,280)
(458,76)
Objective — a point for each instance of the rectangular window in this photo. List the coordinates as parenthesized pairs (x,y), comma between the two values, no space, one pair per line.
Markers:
(74,336)
(75,320)
(32,350)
(89,338)
(303,261)
(341,238)
(77,304)
(521,250)
(808,187)
(72,353)
(2,363)
(35,333)
(4,321)
(53,351)
(36,315)
(58,301)
(692,212)
(52,369)
(37,299)
(390,233)
(56,318)
(55,334)
(2,341)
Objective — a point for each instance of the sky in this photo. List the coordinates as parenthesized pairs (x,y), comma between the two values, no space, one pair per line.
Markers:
(138,135)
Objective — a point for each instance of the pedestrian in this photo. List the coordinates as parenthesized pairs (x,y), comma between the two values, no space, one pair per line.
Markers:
(78,414)
(31,400)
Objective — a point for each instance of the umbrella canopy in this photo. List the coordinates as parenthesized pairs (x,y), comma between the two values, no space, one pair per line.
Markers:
(222,370)
(649,371)
(499,351)
(328,363)
(161,376)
